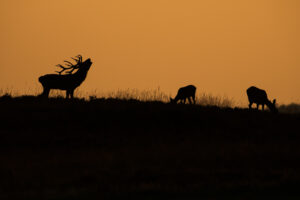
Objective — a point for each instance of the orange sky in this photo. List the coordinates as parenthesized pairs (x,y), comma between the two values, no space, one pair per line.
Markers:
(220,46)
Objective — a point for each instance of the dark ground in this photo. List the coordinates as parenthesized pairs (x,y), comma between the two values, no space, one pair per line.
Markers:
(107,149)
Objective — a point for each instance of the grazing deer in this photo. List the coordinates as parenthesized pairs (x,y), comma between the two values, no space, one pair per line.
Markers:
(258,96)
(185,93)
(68,81)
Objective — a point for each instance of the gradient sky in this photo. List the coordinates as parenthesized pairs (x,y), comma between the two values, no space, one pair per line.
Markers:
(220,46)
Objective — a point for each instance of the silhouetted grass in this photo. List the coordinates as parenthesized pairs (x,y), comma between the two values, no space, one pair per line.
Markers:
(107,148)
(141,95)
(211,100)
(204,99)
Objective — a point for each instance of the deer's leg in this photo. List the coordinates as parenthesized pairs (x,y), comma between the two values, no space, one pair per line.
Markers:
(184,100)
(257,106)
(190,100)
(250,105)
(263,106)
(194,99)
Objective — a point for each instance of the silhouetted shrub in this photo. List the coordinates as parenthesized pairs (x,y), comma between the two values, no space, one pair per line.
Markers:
(290,108)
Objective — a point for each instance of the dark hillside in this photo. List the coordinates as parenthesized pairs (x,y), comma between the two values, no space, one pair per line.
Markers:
(109,148)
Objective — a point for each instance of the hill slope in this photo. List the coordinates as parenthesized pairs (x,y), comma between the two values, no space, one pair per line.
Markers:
(108,148)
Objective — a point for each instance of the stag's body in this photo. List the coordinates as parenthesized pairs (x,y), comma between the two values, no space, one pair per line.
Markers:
(187,92)
(259,96)
(68,82)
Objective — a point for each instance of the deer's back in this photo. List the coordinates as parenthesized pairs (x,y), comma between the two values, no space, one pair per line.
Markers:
(257,95)
(187,91)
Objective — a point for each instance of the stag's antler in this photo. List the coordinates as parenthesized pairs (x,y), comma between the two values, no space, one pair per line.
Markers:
(79,60)
(70,65)
(63,68)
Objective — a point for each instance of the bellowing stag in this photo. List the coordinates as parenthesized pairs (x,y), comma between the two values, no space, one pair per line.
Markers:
(184,93)
(67,81)
(258,96)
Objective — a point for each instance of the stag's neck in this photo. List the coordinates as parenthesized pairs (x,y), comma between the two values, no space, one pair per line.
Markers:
(80,74)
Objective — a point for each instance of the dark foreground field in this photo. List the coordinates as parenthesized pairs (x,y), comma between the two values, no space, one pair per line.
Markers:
(108,149)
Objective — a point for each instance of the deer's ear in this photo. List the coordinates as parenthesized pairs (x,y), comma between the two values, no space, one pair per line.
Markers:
(274,101)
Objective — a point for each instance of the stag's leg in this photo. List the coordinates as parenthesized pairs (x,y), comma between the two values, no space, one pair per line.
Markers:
(45,92)
(263,106)
(194,99)
(67,94)
(257,106)
(184,100)
(72,93)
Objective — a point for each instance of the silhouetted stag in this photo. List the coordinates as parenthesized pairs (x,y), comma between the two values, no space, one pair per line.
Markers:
(68,81)
(184,93)
(258,96)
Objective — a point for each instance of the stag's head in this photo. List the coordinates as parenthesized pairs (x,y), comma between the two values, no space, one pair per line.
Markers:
(86,65)
(82,66)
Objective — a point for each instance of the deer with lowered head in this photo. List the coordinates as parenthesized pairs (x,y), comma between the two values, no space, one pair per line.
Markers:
(187,92)
(259,96)
(68,81)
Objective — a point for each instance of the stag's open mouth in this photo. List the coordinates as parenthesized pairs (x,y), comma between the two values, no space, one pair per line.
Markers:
(89,61)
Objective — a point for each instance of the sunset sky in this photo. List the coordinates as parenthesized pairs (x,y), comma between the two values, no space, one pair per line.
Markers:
(220,46)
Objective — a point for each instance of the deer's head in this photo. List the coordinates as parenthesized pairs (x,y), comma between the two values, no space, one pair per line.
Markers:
(272,106)
(172,101)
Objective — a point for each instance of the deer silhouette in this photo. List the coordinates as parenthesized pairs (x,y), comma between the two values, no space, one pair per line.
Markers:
(184,93)
(259,96)
(68,81)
